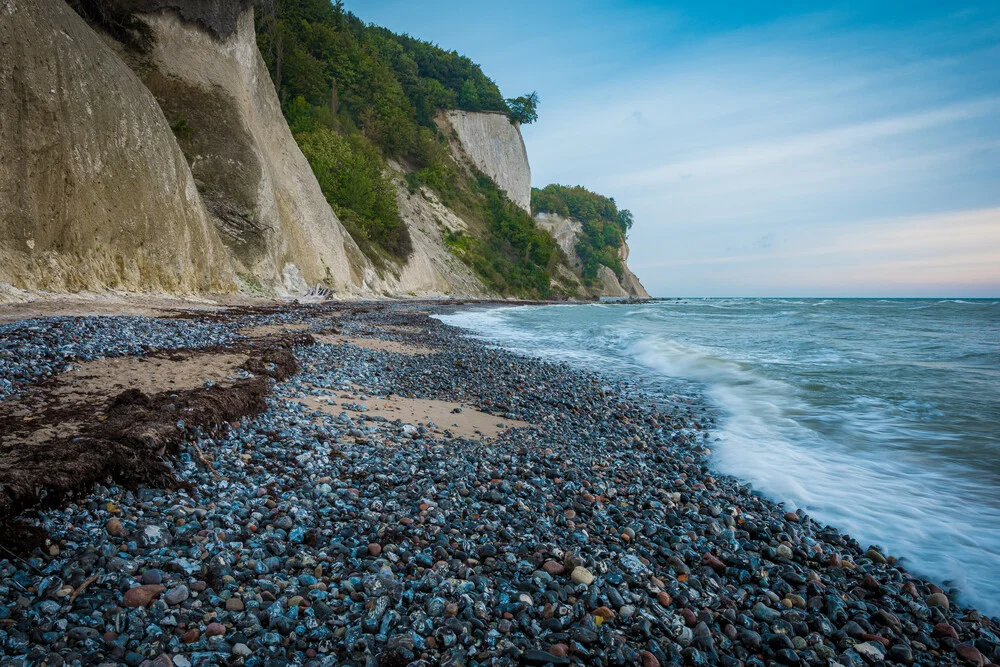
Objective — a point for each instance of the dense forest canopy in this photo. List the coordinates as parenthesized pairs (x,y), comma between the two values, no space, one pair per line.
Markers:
(605,227)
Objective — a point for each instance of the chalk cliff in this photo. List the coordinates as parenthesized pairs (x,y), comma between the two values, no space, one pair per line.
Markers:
(495,146)
(94,192)
(566,232)
(215,91)
(172,168)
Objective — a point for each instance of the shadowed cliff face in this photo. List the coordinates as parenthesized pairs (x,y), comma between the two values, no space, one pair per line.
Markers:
(257,185)
(94,192)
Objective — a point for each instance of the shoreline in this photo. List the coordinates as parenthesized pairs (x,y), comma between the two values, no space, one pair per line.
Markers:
(596,534)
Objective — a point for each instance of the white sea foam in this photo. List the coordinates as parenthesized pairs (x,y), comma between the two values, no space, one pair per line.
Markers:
(872,421)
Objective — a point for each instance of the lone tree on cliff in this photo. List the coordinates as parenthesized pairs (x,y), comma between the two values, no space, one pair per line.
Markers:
(523,109)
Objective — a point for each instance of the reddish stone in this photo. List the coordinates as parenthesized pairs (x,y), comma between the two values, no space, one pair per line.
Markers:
(910,589)
(943,630)
(110,637)
(970,654)
(559,650)
(875,638)
(604,613)
(142,596)
(553,568)
(689,617)
(713,562)
(791,516)
(191,636)
(374,549)
(648,659)
(115,528)
(663,598)
(869,582)
(215,630)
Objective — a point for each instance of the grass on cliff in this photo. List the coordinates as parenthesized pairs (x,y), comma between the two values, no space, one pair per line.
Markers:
(605,227)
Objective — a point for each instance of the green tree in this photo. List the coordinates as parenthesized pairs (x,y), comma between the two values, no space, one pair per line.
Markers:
(350,174)
(524,109)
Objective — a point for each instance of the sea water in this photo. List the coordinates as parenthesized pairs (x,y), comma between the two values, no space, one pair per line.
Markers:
(878,417)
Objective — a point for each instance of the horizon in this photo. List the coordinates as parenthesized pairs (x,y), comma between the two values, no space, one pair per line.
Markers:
(850,149)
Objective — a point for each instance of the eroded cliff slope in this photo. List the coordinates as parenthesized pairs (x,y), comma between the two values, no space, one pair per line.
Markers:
(94,192)
(257,186)
(567,232)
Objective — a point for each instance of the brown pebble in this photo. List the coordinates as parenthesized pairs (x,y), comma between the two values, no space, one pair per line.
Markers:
(142,596)
(374,549)
(191,636)
(604,613)
(648,659)
(559,650)
(664,598)
(234,604)
(792,517)
(713,562)
(115,528)
(690,619)
(970,654)
(215,630)
(942,630)
(553,568)
(110,637)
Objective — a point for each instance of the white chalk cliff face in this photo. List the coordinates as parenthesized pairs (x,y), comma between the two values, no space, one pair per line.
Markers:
(566,231)
(257,185)
(175,171)
(495,146)
(94,192)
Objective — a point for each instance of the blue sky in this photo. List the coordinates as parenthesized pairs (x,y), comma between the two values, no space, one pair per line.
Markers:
(765,148)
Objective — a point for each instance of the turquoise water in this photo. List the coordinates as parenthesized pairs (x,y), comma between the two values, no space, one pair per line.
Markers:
(879,417)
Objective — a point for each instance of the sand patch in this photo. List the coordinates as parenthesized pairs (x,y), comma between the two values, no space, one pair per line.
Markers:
(470,423)
(376,344)
(177,372)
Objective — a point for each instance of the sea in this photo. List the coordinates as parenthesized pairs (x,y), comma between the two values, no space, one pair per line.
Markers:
(880,417)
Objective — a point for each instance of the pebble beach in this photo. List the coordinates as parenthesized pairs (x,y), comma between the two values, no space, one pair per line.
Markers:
(360,484)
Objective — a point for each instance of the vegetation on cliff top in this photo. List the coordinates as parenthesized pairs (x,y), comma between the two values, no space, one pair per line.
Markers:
(605,227)
(355,95)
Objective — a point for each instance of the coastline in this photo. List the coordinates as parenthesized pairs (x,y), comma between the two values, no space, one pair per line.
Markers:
(597,534)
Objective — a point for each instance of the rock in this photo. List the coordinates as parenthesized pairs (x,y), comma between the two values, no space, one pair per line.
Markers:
(647,659)
(553,568)
(234,604)
(540,658)
(215,630)
(713,562)
(871,653)
(142,596)
(242,650)
(938,600)
(664,598)
(581,575)
(970,654)
(176,595)
(374,549)
(944,630)
(191,636)
(152,577)
(115,528)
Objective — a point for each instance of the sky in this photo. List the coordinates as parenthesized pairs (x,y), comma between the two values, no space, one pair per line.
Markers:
(765,149)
